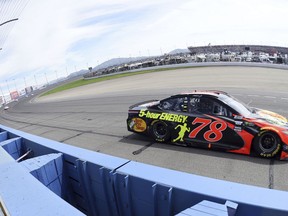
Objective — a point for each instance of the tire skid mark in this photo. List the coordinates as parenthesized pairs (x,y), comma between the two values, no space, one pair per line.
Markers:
(71,137)
(139,151)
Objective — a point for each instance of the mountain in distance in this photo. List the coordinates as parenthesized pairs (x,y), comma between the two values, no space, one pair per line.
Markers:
(178,51)
(119,61)
(78,73)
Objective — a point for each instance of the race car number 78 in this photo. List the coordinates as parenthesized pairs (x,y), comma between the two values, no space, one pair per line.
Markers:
(212,135)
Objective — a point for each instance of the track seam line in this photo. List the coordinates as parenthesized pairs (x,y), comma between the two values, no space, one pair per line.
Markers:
(63,128)
(271,174)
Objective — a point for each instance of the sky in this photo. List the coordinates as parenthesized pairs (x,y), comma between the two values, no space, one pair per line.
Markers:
(52,39)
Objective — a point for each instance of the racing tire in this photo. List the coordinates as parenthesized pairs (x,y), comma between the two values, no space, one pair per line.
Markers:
(160,131)
(267,144)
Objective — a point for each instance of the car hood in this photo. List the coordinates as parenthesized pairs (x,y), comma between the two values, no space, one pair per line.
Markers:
(271,117)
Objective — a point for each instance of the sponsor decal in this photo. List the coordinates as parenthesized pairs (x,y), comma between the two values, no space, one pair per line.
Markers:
(249,124)
(273,114)
(183,129)
(238,123)
(237,128)
(272,117)
(265,129)
(238,117)
(138,125)
(163,116)
(285,147)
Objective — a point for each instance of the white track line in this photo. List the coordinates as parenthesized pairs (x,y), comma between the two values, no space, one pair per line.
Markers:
(267,96)
(253,95)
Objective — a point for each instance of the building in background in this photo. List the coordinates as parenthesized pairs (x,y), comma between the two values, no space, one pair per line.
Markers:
(29,89)
(14,95)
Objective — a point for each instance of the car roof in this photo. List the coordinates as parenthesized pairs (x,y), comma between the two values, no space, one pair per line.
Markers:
(214,93)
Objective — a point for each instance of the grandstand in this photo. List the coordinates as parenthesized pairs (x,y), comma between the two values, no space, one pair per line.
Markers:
(215,53)
(238,48)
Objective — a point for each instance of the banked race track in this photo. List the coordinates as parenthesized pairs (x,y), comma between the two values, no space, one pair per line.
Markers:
(94,117)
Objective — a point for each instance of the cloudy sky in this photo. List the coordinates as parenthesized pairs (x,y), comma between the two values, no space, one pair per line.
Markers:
(56,37)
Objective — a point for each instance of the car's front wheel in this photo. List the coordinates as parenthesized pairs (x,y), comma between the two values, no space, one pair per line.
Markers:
(160,131)
(267,144)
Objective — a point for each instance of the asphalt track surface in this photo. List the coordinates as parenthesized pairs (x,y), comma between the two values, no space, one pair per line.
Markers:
(94,117)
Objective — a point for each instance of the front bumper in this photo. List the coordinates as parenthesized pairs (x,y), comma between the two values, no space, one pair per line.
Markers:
(284,153)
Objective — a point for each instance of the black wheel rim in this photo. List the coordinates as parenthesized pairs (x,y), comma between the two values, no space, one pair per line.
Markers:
(268,142)
(160,130)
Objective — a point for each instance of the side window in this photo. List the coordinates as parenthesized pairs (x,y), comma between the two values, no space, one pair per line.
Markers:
(166,104)
(205,105)
(174,104)
(194,103)
(210,106)
(220,109)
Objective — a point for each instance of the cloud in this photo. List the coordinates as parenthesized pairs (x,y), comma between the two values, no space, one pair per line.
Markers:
(54,35)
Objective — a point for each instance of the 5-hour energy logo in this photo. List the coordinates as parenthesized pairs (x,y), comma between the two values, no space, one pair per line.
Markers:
(164,116)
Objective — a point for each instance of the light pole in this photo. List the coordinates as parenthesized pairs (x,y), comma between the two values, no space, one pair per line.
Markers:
(15,85)
(66,71)
(8,87)
(46,79)
(35,81)
(2,95)
(56,75)
(8,21)
(25,82)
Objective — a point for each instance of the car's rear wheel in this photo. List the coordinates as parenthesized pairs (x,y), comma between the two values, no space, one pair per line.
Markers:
(160,131)
(267,144)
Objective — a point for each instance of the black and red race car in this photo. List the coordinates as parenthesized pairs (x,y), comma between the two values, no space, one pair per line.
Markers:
(212,120)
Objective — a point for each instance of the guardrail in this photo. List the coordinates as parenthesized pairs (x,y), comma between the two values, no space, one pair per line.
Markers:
(45,177)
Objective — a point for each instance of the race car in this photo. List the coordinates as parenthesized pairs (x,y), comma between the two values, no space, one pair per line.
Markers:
(212,120)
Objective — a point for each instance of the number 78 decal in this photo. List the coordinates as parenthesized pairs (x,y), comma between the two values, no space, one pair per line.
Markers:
(212,135)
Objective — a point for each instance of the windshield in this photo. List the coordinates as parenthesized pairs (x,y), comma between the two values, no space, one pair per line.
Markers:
(238,106)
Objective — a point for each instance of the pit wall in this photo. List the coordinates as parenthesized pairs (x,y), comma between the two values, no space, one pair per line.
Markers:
(45,177)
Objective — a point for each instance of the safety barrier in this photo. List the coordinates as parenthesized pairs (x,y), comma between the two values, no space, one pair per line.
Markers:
(45,177)
(199,64)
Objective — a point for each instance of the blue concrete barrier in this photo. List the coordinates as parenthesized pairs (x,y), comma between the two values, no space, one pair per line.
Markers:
(22,194)
(45,177)
(206,208)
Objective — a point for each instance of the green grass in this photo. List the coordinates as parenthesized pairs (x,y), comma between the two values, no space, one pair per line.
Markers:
(83,82)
